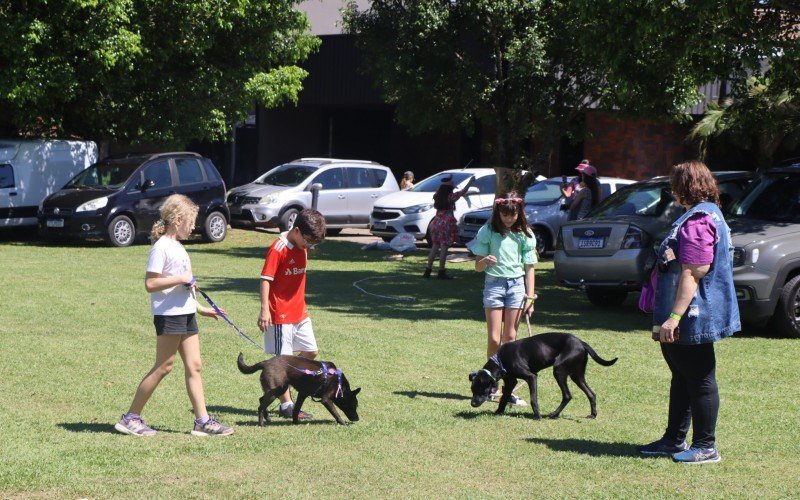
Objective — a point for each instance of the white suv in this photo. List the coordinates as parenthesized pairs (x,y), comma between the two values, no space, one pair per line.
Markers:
(349,189)
(411,211)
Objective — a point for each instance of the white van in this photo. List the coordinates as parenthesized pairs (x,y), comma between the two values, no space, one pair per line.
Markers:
(31,170)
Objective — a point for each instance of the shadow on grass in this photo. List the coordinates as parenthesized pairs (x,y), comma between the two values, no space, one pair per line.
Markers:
(435,395)
(102,428)
(231,410)
(275,421)
(588,447)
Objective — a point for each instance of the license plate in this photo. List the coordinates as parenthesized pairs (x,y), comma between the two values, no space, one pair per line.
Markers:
(591,243)
(378,225)
(55,222)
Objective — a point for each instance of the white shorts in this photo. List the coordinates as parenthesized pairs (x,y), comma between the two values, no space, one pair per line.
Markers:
(290,338)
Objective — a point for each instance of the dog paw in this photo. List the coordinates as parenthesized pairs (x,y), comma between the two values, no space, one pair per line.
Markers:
(553,416)
(591,417)
(537,416)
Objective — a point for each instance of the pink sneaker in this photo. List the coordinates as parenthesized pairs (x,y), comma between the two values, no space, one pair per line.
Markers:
(134,425)
(211,428)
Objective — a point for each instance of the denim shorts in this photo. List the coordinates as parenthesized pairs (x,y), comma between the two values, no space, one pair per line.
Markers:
(506,293)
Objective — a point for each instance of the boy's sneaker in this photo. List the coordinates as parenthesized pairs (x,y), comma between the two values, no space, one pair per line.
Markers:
(662,448)
(287,413)
(133,425)
(697,456)
(516,401)
(211,428)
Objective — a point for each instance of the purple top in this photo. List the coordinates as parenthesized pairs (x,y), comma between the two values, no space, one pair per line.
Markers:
(696,239)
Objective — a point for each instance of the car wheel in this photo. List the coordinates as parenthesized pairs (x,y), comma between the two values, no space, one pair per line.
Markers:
(542,237)
(333,232)
(787,315)
(121,231)
(215,228)
(288,218)
(604,297)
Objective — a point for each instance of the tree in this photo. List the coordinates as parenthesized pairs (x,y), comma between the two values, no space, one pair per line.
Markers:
(147,70)
(530,69)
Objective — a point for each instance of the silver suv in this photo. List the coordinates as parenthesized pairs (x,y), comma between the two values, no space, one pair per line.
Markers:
(765,224)
(348,190)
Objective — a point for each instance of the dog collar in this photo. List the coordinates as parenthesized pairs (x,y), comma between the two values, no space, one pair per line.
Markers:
(489,373)
(496,360)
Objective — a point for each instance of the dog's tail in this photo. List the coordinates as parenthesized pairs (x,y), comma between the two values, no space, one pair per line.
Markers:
(596,356)
(247,368)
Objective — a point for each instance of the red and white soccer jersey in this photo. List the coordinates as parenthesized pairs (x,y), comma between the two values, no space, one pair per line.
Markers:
(285,268)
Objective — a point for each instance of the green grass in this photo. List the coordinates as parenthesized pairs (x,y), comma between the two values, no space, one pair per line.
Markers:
(76,337)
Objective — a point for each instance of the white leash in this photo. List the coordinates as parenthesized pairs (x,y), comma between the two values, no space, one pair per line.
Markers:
(400,298)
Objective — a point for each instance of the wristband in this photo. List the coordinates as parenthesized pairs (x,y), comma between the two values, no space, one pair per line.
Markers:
(190,283)
(676,317)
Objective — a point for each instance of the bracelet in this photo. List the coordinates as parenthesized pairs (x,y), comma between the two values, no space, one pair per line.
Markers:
(676,317)
(532,298)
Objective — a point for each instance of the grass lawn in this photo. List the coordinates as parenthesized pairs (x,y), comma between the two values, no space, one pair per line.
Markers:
(76,336)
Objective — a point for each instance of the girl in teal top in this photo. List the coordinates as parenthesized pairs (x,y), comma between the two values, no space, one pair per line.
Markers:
(506,249)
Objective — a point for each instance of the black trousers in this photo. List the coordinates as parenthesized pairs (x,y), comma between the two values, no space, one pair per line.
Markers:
(693,393)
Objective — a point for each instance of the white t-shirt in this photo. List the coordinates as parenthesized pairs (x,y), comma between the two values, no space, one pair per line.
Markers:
(169,258)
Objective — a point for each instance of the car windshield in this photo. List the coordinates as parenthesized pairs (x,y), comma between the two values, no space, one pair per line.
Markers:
(650,199)
(286,175)
(431,184)
(543,193)
(104,175)
(773,197)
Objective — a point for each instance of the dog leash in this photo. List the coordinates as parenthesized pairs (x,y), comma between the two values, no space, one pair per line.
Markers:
(225,317)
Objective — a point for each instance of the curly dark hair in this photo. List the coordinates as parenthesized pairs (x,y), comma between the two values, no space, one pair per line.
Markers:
(441,197)
(509,207)
(692,183)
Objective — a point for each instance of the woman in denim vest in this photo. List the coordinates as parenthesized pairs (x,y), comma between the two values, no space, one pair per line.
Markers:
(695,306)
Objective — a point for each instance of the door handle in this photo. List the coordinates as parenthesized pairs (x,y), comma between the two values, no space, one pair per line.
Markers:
(341,197)
(12,194)
(373,196)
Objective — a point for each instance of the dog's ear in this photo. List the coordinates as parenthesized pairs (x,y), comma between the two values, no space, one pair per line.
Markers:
(472,376)
(356,391)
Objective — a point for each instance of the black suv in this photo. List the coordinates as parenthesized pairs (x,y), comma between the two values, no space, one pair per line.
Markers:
(118,198)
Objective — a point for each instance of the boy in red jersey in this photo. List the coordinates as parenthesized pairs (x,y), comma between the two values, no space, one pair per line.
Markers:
(284,317)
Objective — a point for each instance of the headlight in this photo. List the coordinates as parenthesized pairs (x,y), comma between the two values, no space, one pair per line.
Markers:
(417,209)
(268,199)
(95,204)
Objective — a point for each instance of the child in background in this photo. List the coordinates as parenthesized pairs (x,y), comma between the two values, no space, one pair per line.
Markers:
(505,248)
(170,282)
(407,182)
(444,227)
(284,316)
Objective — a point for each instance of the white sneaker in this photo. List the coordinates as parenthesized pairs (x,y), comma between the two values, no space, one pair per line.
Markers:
(516,401)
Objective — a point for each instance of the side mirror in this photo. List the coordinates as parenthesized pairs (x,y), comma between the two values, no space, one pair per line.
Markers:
(472,190)
(148,183)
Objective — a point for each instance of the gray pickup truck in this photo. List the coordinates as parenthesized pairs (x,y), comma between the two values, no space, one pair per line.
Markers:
(765,227)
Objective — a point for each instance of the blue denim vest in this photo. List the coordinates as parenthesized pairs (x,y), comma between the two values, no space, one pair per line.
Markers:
(713,313)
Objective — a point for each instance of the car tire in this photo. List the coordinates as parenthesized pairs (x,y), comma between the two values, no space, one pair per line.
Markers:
(287,219)
(333,232)
(787,315)
(215,228)
(606,297)
(542,239)
(121,232)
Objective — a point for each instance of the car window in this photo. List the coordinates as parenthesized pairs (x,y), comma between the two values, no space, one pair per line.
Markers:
(543,193)
(330,179)
(605,190)
(358,178)
(378,177)
(773,197)
(158,172)
(486,184)
(286,175)
(644,199)
(110,175)
(431,184)
(6,176)
(189,171)
(211,170)
(729,191)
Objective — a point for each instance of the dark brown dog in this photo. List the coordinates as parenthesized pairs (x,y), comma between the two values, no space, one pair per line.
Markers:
(566,353)
(318,379)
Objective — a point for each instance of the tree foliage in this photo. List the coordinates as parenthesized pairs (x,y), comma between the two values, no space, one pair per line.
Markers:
(528,69)
(147,70)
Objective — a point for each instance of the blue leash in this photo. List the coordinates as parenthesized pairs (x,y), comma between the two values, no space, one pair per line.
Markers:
(227,320)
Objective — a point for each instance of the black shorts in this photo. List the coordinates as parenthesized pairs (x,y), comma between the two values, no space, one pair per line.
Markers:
(182,324)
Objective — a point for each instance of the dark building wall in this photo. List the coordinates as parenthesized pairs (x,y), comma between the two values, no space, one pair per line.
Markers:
(635,148)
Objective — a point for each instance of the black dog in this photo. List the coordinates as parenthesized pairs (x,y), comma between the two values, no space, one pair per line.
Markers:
(566,353)
(318,379)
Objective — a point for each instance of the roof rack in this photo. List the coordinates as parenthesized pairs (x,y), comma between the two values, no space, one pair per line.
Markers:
(174,153)
(325,161)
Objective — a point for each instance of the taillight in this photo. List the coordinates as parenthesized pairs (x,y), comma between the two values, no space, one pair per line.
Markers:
(559,240)
(634,238)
